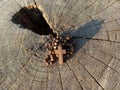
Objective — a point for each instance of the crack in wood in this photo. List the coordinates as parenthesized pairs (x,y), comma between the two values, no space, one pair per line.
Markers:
(60,78)
(91,75)
(50,9)
(96,39)
(81,11)
(103,63)
(19,74)
(47,77)
(33,79)
(75,76)
(106,7)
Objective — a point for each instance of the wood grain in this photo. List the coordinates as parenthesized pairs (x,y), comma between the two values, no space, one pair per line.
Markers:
(95,26)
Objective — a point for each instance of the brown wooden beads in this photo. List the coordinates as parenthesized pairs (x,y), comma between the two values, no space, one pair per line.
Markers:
(59,49)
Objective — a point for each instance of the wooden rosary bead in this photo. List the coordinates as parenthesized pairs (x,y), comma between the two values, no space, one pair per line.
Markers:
(52,59)
(46,59)
(55,47)
(57,55)
(55,43)
(68,55)
(51,63)
(57,40)
(47,63)
(48,56)
(72,48)
(68,38)
(64,41)
(71,53)
(63,44)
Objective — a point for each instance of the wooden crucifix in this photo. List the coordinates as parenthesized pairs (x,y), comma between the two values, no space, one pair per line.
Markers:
(60,52)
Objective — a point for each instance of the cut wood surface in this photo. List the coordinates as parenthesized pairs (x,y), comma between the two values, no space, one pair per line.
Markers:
(95,65)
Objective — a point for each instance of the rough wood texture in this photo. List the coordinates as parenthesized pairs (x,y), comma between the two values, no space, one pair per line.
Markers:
(96,63)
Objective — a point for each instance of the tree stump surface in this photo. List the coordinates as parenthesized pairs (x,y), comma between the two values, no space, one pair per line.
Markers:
(95,65)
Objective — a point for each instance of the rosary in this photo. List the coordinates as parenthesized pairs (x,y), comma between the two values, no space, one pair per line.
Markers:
(59,48)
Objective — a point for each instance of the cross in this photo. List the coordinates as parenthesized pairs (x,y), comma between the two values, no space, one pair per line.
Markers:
(60,53)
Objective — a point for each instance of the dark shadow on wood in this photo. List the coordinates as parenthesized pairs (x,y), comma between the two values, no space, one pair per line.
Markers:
(32,19)
(84,33)
(87,32)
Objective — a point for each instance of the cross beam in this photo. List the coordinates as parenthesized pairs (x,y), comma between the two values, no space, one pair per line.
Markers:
(60,52)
